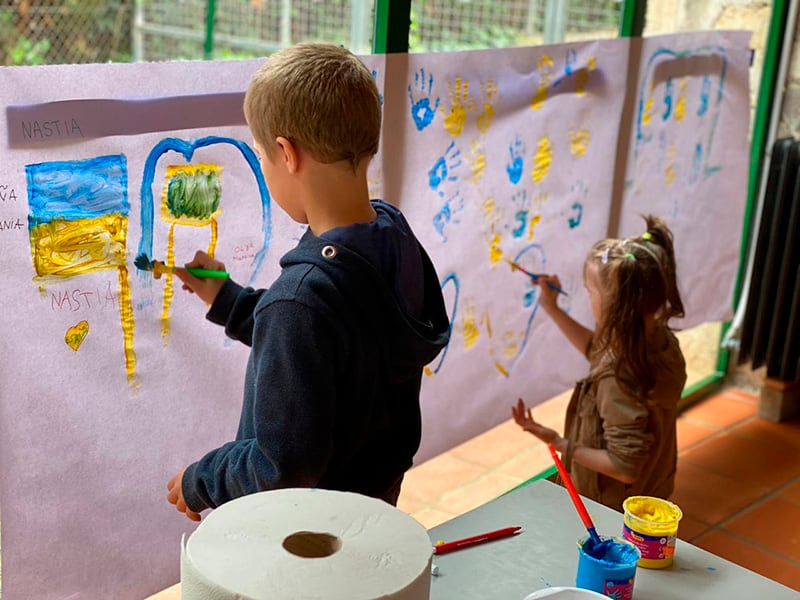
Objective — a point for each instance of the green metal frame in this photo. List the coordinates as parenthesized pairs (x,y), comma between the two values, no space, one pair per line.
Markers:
(211,13)
(392,23)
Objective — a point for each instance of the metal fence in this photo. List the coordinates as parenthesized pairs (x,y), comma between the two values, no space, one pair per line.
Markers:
(35,32)
(75,31)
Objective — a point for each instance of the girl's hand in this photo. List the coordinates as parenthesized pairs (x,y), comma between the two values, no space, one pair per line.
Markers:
(524,418)
(549,298)
(206,289)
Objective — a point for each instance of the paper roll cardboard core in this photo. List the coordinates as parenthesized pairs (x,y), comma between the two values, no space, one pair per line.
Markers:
(309,544)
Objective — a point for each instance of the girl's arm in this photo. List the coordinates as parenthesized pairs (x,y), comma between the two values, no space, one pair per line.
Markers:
(578,335)
(599,461)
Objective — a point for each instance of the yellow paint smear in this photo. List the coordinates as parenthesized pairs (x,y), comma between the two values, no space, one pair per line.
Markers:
(647,115)
(680,104)
(478,161)
(64,248)
(542,159)
(669,171)
(535,219)
(495,252)
(579,141)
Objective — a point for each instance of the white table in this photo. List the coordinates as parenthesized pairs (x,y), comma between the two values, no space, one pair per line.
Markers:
(545,554)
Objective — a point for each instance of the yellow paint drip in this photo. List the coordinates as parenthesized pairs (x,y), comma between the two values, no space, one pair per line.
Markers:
(64,248)
(501,368)
(542,159)
(126,319)
(168,291)
(651,524)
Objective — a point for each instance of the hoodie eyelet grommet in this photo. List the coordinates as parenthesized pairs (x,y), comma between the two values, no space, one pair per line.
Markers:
(329,252)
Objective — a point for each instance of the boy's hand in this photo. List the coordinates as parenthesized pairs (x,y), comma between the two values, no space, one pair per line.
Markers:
(524,418)
(175,496)
(206,289)
(549,297)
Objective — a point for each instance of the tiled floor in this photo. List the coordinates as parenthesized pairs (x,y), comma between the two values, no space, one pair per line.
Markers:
(738,480)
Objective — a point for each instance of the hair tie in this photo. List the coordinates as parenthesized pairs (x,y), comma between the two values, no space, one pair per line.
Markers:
(630,255)
(647,236)
(604,256)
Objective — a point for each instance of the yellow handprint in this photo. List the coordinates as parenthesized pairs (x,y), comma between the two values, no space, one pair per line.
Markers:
(488,98)
(460,105)
(469,327)
(477,161)
(545,64)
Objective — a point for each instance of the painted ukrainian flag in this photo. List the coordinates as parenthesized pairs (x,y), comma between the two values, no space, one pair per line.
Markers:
(78,215)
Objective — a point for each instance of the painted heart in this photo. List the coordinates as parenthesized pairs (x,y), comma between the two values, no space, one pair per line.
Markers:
(76,334)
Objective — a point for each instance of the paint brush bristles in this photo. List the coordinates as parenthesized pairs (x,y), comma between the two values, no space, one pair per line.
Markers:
(143,263)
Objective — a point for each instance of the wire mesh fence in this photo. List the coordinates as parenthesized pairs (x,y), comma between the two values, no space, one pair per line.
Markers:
(34,32)
(74,31)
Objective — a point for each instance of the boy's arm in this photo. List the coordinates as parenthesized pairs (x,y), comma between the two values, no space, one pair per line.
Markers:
(291,412)
(234,309)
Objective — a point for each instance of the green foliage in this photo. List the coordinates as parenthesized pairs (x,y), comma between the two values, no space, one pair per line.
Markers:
(26,52)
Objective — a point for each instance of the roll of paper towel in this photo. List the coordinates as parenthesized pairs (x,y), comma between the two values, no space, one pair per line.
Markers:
(306,544)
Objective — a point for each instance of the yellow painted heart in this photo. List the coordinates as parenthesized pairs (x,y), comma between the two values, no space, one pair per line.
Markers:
(76,334)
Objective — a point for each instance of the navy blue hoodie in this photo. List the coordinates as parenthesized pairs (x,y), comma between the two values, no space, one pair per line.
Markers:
(338,343)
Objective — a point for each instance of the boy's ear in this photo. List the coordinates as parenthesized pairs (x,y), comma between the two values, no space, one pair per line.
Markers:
(289,154)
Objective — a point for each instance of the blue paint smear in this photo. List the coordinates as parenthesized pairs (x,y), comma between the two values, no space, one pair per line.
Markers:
(81,189)
(187,148)
(452,278)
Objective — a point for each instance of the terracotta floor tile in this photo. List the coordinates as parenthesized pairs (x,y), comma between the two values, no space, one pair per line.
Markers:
(431,517)
(476,493)
(743,396)
(498,445)
(710,497)
(721,410)
(690,433)
(767,564)
(426,482)
(528,464)
(783,435)
(749,460)
(791,493)
(774,524)
(690,527)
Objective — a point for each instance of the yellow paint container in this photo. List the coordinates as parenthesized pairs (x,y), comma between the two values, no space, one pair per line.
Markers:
(651,524)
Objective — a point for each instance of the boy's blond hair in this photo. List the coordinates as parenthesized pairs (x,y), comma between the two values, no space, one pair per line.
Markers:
(320,97)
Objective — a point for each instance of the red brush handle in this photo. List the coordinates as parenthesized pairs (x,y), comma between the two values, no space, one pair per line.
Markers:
(573,493)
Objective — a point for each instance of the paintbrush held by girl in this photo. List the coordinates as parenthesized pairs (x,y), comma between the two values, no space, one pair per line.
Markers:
(619,432)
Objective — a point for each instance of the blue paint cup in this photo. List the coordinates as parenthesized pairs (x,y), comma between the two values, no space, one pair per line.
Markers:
(609,569)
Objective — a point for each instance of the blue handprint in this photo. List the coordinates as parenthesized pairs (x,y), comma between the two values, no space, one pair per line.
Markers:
(421,110)
(447,213)
(514,168)
(442,170)
(375,77)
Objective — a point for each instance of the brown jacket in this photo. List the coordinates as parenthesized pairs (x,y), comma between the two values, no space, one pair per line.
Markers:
(638,434)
